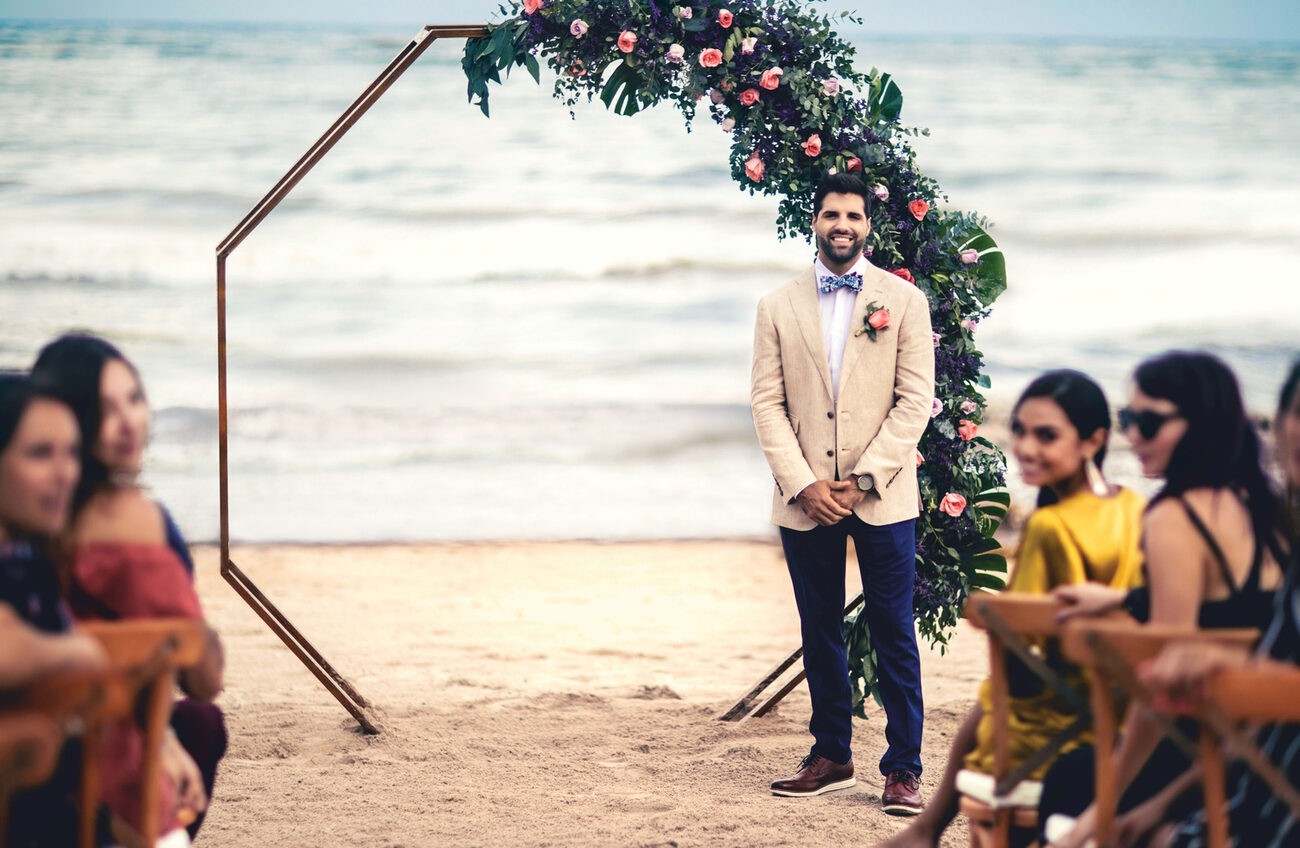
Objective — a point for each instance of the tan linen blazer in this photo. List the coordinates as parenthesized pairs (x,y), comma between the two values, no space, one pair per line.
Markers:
(886,393)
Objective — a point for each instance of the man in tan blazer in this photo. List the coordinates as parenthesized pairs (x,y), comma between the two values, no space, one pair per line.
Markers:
(842,388)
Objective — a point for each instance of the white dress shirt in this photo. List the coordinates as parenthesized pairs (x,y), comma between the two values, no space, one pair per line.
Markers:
(837,313)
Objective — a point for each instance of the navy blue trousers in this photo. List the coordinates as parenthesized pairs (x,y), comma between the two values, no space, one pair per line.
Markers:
(887,561)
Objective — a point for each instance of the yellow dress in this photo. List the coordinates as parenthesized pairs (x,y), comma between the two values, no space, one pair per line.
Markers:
(1082,538)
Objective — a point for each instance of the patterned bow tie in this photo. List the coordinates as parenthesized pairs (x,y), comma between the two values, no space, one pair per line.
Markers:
(831,282)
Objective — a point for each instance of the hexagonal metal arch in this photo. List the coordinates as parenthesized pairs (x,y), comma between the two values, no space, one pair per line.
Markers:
(279,624)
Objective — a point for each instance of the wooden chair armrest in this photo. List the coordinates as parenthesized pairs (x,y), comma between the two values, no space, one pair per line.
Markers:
(1024,613)
(1134,642)
(132,642)
(1256,693)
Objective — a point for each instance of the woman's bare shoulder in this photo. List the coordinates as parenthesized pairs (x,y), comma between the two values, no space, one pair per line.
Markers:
(125,516)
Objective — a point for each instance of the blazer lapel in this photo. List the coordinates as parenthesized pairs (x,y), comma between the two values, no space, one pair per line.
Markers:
(808,314)
(853,346)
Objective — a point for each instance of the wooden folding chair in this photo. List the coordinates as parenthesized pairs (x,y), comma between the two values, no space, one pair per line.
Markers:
(29,750)
(1234,696)
(1004,810)
(1111,650)
(144,656)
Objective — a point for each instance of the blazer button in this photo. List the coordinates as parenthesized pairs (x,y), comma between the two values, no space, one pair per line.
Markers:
(830,415)
(830,453)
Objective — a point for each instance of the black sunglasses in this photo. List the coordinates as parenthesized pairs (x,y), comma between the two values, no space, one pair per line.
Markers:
(1147,421)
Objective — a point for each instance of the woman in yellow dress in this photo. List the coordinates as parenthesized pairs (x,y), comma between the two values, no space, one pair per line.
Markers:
(1083,530)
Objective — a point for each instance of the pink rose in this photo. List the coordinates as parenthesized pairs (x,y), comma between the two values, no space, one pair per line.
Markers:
(937,339)
(716,95)
(578,27)
(936,406)
(919,458)
(710,57)
(969,256)
(854,164)
(953,504)
(831,86)
(627,41)
(968,406)
(754,168)
(771,78)
(531,6)
(969,325)
(918,208)
(879,319)
(725,18)
(749,97)
(683,13)
(813,146)
(747,45)
(966,429)
(881,193)
(728,124)
(905,274)
(675,54)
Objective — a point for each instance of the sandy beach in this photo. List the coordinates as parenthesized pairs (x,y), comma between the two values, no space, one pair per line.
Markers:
(543,694)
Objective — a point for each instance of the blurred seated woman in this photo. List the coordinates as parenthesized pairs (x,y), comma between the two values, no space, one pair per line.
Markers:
(38,472)
(1212,540)
(1083,529)
(126,557)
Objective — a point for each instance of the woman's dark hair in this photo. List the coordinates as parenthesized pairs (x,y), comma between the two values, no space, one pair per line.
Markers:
(1082,401)
(1220,449)
(1290,387)
(16,394)
(71,367)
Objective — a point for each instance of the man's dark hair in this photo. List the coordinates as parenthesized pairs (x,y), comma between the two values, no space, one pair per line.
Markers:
(842,184)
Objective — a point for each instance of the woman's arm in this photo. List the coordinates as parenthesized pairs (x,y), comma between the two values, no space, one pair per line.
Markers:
(27,654)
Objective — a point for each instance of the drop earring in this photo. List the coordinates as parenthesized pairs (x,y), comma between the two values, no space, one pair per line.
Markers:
(1096,482)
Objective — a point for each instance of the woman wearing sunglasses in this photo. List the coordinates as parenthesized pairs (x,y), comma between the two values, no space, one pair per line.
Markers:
(1212,539)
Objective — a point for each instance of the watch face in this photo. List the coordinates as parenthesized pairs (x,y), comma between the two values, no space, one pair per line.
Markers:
(866,482)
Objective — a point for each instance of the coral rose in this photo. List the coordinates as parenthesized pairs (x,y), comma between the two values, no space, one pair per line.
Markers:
(904,273)
(627,41)
(969,256)
(813,146)
(675,53)
(578,27)
(771,78)
(854,164)
(725,18)
(966,429)
(531,6)
(747,45)
(577,69)
(918,208)
(879,319)
(749,97)
(919,458)
(710,57)
(754,168)
(953,504)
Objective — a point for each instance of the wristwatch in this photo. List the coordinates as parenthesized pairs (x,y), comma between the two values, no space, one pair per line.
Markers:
(866,482)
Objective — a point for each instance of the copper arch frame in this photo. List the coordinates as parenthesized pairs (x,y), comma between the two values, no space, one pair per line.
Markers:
(337,685)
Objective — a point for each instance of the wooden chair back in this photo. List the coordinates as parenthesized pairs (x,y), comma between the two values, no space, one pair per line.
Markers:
(144,655)
(1007,618)
(1111,649)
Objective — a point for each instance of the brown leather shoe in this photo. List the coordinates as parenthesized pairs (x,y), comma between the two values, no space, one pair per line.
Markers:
(816,775)
(902,795)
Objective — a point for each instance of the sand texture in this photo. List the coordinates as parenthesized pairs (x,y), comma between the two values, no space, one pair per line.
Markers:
(536,695)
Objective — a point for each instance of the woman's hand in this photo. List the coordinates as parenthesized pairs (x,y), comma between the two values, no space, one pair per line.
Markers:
(1084,600)
(1177,675)
(180,768)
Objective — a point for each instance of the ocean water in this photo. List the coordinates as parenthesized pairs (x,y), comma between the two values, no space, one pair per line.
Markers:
(539,327)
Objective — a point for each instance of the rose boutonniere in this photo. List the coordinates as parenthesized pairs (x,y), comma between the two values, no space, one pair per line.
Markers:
(876,319)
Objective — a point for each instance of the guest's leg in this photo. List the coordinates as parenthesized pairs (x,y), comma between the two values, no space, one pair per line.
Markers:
(201,729)
(816,562)
(929,825)
(887,560)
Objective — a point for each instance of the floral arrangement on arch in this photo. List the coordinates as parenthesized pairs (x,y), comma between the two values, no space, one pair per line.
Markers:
(776,77)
